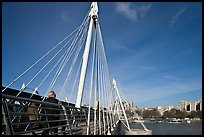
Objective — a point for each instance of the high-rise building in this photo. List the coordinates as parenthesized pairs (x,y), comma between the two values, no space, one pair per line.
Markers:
(182,106)
(190,105)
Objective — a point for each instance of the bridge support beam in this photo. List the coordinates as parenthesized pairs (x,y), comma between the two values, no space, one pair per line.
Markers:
(93,13)
(121,104)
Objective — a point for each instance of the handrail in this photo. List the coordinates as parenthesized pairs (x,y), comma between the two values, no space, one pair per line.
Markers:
(72,120)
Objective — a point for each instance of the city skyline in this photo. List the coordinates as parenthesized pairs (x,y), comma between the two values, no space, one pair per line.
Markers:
(166,107)
(155,57)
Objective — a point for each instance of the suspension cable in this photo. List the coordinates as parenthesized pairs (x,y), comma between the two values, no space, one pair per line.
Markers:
(43,68)
(69,99)
(109,112)
(62,64)
(68,55)
(95,93)
(73,63)
(104,54)
(103,97)
(56,63)
(51,70)
(99,96)
(91,83)
(39,60)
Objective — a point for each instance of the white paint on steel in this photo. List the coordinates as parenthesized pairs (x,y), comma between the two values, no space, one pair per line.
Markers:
(94,11)
(123,110)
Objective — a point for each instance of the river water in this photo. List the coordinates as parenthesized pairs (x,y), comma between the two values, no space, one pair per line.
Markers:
(172,128)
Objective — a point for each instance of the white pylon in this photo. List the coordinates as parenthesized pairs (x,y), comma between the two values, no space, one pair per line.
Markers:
(93,13)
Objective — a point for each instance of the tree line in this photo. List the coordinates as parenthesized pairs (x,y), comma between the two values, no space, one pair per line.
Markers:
(173,113)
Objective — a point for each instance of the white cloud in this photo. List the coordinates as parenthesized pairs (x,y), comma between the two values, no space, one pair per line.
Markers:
(116,46)
(175,17)
(142,92)
(131,11)
(64,16)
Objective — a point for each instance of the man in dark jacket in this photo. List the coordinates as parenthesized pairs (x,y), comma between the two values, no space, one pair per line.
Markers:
(52,110)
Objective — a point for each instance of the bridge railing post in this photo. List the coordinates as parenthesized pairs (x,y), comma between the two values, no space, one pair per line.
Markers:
(6,118)
(67,117)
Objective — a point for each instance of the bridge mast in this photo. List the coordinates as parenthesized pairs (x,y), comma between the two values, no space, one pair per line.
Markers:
(121,104)
(93,15)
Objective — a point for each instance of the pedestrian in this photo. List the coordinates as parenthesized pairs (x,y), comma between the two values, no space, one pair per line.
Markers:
(52,110)
(33,117)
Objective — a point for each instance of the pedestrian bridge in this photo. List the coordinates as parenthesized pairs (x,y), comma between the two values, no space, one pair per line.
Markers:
(25,111)
(16,119)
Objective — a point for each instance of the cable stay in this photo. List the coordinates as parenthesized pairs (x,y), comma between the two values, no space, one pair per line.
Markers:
(77,70)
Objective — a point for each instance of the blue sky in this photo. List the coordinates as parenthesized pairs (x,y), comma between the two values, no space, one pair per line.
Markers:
(154,49)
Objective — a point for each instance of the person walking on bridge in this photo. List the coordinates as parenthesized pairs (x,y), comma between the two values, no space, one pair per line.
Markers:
(54,110)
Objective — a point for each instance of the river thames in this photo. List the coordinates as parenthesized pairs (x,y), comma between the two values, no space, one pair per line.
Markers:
(172,128)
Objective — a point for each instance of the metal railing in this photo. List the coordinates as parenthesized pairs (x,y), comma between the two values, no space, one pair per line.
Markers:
(27,116)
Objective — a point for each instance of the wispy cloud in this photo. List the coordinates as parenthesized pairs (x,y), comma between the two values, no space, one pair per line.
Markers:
(117,47)
(176,16)
(65,16)
(134,63)
(146,93)
(141,68)
(131,11)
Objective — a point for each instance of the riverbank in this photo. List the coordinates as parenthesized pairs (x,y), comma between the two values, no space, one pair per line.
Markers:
(170,120)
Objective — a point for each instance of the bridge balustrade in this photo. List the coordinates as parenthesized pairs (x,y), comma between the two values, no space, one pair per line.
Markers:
(17,120)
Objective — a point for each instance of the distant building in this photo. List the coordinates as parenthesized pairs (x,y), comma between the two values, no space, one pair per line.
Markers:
(148,109)
(130,106)
(127,105)
(160,109)
(169,108)
(190,105)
